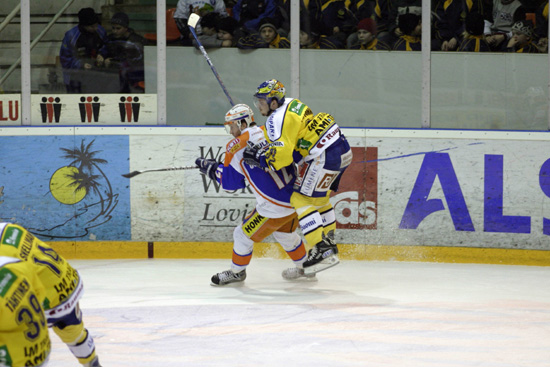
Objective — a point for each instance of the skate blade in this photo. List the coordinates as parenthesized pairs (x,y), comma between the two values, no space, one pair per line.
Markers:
(312,278)
(232,284)
(327,263)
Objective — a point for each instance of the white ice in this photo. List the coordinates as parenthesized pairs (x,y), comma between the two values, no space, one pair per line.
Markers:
(165,313)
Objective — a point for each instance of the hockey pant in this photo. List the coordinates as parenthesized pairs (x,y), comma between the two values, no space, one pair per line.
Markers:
(256,228)
(317,177)
(70,329)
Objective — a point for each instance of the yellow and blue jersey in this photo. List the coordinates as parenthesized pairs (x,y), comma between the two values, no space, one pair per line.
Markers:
(63,287)
(293,133)
(24,339)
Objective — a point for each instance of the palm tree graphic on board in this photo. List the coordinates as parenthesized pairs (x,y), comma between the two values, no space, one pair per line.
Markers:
(77,181)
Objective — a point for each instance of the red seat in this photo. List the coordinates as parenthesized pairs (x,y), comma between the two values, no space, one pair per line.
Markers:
(172,31)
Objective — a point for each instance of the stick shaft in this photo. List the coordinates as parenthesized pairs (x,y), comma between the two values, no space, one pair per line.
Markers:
(192,29)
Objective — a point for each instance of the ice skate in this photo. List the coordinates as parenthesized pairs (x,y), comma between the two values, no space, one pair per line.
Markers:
(227,277)
(321,257)
(297,273)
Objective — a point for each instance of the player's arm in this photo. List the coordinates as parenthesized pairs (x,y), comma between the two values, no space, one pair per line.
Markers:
(228,174)
(280,152)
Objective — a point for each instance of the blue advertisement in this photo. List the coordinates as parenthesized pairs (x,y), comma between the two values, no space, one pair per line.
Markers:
(66,187)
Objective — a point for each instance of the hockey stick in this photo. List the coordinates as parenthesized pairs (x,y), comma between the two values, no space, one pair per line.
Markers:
(135,173)
(192,23)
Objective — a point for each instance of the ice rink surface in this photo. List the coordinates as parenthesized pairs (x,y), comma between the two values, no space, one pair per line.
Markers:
(164,313)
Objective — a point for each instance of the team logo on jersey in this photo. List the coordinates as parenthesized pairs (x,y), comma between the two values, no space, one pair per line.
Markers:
(5,358)
(6,280)
(12,237)
(296,107)
(304,144)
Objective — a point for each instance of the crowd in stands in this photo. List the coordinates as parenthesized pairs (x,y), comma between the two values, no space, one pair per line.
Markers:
(456,25)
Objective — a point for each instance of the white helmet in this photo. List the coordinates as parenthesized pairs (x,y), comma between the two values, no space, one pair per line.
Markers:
(238,114)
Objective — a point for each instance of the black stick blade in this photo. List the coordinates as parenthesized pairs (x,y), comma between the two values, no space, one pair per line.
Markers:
(131,174)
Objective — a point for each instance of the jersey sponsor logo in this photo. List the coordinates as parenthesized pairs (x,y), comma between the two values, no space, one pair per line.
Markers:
(253,224)
(320,123)
(296,107)
(270,127)
(234,146)
(326,181)
(5,358)
(328,137)
(7,277)
(307,224)
(304,144)
(12,237)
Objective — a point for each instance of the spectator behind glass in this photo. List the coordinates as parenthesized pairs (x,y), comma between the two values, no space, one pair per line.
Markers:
(79,50)
(310,13)
(522,37)
(209,31)
(266,37)
(311,38)
(249,13)
(541,27)
(382,19)
(398,8)
(473,39)
(505,14)
(184,9)
(338,20)
(123,54)
(447,24)
(411,28)
(365,37)
(228,31)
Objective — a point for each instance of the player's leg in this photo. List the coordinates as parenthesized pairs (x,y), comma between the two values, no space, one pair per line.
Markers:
(242,254)
(294,247)
(329,220)
(292,243)
(255,228)
(71,331)
(321,176)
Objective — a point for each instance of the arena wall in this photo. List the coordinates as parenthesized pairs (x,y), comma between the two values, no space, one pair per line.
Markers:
(409,195)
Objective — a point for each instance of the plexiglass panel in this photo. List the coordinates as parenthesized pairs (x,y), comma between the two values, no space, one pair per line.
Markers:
(87,62)
(363,88)
(489,91)
(10,73)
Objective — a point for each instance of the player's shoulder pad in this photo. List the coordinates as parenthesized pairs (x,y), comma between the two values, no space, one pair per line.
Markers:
(234,146)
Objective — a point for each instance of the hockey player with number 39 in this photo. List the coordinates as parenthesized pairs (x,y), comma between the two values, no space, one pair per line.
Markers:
(273,213)
(63,289)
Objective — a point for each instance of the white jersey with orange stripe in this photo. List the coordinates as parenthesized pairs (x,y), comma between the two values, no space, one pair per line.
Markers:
(272,189)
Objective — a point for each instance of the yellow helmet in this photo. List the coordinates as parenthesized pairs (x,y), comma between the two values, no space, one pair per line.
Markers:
(271,90)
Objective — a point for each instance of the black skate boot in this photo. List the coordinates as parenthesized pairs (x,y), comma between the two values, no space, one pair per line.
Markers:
(321,257)
(228,276)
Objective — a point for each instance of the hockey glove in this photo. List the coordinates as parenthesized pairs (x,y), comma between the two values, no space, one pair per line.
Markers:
(254,157)
(207,167)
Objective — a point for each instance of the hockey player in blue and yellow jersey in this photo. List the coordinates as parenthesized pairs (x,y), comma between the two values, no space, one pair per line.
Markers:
(24,339)
(321,152)
(273,213)
(63,289)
